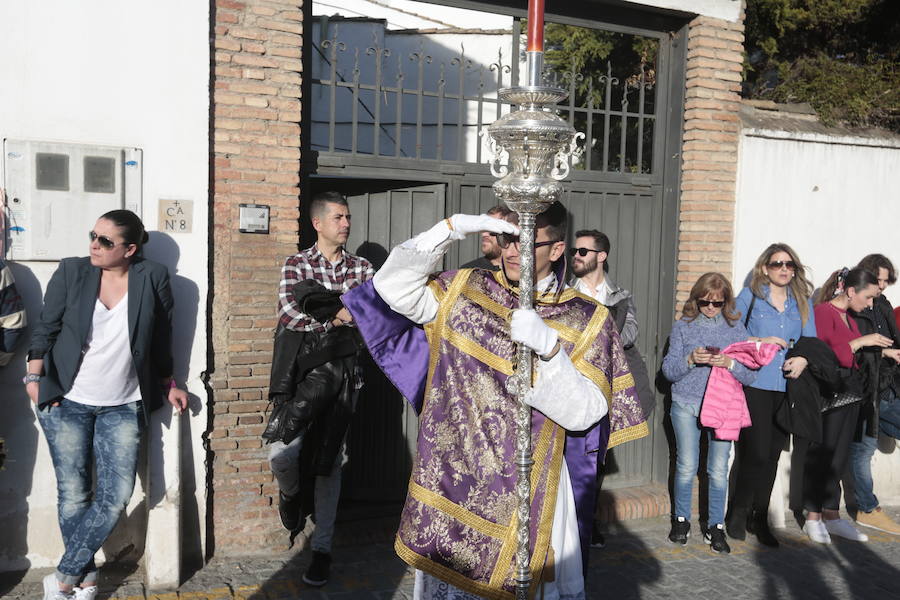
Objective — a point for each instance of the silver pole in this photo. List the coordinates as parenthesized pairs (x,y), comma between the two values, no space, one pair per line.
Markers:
(524,460)
(531,148)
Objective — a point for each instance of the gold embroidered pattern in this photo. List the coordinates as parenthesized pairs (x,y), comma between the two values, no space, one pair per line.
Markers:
(546,438)
(455,579)
(545,526)
(473,349)
(590,332)
(635,432)
(467,518)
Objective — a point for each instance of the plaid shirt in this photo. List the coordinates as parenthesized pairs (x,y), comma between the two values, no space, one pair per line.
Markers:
(343,275)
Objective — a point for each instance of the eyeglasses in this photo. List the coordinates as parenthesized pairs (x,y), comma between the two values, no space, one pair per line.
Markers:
(780,264)
(505,239)
(104,241)
(715,303)
(581,251)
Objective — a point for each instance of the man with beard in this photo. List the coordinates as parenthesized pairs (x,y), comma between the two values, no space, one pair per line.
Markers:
(489,247)
(589,264)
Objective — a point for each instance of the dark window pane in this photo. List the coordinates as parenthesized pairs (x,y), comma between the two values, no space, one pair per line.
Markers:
(52,172)
(99,174)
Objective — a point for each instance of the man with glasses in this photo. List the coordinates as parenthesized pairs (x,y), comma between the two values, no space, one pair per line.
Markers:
(489,247)
(458,524)
(590,266)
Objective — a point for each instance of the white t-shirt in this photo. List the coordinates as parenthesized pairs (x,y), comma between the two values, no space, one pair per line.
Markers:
(107,376)
(600,293)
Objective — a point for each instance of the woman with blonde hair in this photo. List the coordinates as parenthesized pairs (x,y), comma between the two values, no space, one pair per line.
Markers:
(777,310)
(708,325)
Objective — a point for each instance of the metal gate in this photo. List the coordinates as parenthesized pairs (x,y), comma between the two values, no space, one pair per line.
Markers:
(403,145)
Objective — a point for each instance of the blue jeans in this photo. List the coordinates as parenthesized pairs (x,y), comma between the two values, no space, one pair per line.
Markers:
(285,462)
(79,435)
(861,452)
(686,422)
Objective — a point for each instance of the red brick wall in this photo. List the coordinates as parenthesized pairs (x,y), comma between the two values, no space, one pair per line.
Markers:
(710,151)
(256,109)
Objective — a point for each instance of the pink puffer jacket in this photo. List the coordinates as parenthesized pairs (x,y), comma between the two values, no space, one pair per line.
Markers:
(724,405)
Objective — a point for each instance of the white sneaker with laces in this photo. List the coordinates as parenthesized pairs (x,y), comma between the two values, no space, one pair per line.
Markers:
(52,591)
(817,532)
(843,528)
(85,593)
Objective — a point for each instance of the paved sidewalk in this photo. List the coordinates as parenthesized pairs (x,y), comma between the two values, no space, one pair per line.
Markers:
(637,562)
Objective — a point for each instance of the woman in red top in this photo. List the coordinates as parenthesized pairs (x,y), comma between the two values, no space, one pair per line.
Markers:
(826,461)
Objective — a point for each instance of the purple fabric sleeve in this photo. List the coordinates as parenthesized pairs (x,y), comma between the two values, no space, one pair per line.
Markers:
(397,345)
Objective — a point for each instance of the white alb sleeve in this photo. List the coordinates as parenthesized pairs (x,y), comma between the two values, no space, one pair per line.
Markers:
(566,396)
(403,280)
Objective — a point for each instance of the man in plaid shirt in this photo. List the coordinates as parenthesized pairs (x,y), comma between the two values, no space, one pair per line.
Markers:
(334,268)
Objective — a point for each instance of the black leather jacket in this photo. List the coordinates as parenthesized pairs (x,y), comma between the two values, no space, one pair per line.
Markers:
(880,373)
(312,388)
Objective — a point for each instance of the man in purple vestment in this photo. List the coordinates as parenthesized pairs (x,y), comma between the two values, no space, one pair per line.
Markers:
(458,525)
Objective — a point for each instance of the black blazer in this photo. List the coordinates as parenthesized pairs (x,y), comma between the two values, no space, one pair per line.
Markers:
(60,335)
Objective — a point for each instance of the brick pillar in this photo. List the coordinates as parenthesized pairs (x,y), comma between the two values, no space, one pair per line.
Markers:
(255,126)
(711,133)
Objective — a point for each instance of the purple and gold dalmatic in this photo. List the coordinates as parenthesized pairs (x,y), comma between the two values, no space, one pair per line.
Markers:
(459,520)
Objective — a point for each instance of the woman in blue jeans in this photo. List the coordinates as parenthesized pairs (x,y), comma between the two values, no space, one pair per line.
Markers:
(100,360)
(877,318)
(708,324)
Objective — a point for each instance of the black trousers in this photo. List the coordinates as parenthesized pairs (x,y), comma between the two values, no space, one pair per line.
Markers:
(758,449)
(826,462)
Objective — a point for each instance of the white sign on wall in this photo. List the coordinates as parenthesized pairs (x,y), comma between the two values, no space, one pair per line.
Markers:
(176,216)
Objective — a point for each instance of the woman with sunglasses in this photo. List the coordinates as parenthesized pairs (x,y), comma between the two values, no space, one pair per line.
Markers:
(100,361)
(708,324)
(777,309)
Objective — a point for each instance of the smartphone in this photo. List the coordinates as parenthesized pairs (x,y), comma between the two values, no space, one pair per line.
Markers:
(713,349)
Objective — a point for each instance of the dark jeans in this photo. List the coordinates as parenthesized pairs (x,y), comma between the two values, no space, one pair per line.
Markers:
(758,449)
(861,452)
(826,461)
(79,435)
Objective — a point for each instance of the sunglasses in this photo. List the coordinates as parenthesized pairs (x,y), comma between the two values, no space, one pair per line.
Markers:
(505,239)
(715,303)
(581,251)
(104,241)
(778,264)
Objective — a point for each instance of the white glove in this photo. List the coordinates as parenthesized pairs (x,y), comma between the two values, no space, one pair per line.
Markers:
(438,237)
(526,327)
(466,224)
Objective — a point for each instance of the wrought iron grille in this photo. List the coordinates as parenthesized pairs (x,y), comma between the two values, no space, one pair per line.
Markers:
(433,104)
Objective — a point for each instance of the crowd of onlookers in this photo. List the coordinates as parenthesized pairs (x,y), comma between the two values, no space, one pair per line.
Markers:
(781,361)
(778,362)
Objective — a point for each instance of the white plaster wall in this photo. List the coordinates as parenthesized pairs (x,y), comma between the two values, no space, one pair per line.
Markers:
(832,199)
(121,74)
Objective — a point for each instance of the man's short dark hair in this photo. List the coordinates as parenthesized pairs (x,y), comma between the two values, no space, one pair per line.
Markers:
(601,242)
(499,211)
(554,219)
(873,262)
(320,200)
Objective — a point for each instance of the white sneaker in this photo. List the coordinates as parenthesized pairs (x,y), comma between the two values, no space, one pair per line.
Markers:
(85,593)
(843,528)
(817,532)
(52,591)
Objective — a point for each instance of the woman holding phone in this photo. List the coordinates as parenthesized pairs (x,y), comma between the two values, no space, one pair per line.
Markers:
(777,310)
(708,324)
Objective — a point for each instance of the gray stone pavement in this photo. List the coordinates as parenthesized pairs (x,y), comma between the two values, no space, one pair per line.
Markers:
(637,562)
